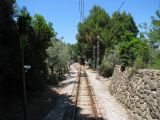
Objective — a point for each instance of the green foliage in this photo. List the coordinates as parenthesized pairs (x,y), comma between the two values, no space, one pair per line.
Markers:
(10,64)
(53,78)
(127,52)
(152,36)
(96,24)
(154,33)
(154,63)
(58,56)
(106,68)
(38,35)
(122,24)
(109,61)
(142,55)
(135,52)
(112,33)
(123,31)
(74,53)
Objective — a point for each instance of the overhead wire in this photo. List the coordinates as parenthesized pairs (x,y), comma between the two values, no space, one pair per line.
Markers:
(81,9)
(121,5)
(118,12)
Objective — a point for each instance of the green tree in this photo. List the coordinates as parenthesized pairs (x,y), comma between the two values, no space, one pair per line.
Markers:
(10,65)
(10,62)
(58,57)
(118,39)
(154,41)
(134,53)
(96,24)
(53,52)
(154,33)
(38,35)
(122,24)
(74,52)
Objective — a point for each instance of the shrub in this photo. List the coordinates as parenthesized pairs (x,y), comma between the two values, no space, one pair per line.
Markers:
(108,63)
(134,53)
(106,69)
(155,64)
(53,78)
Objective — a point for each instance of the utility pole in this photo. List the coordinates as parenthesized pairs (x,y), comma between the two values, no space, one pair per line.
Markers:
(98,56)
(23,82)
(22,30)
(94,57)
(81,9)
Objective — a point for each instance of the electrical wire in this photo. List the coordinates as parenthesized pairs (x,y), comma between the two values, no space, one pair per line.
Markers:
(121,5)
(81,9)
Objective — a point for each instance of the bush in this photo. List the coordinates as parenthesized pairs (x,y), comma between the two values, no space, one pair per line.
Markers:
(155,64)
(106,69)
(127,54)
(110,59)
(134,53)
(139,63)
(53,79)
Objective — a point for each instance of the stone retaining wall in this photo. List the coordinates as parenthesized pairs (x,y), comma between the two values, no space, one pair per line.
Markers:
(138,91)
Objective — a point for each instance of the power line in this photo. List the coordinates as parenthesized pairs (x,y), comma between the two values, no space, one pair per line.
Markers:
(121,5)
(81,9)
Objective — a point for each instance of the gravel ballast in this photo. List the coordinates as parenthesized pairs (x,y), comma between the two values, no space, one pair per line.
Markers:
(110,108)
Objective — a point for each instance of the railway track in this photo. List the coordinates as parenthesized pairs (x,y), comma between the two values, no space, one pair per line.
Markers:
(82,104)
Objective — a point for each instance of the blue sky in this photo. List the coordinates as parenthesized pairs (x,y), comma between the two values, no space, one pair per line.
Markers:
(64,14)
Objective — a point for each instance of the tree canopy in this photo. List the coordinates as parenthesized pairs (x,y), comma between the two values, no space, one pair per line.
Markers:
(110,32)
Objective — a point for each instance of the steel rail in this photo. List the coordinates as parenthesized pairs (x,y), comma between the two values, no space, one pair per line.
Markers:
(73,114)
(72,93)
(93,98)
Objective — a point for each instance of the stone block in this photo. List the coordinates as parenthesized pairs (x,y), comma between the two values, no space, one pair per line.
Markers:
(143,107)
(158,82)
(155,114)
(155,103)
(137,117)
(148,116)
(154,94)
(139,112)
(158,101)
(143,119)
(153,85)
(139,95)
(150,97)
(137,99)
(137,104)
(146,78)
(131,107)
(142,101)
(158,92)
(147,87)
(144,114)
(146,98)
(141,91)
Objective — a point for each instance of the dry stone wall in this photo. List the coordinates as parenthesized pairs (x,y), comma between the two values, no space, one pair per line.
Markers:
(138,91)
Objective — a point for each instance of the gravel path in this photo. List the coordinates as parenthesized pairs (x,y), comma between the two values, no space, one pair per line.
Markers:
(110,108)
(64,89)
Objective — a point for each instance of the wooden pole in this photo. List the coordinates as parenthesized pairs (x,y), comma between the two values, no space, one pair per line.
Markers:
(23,75)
